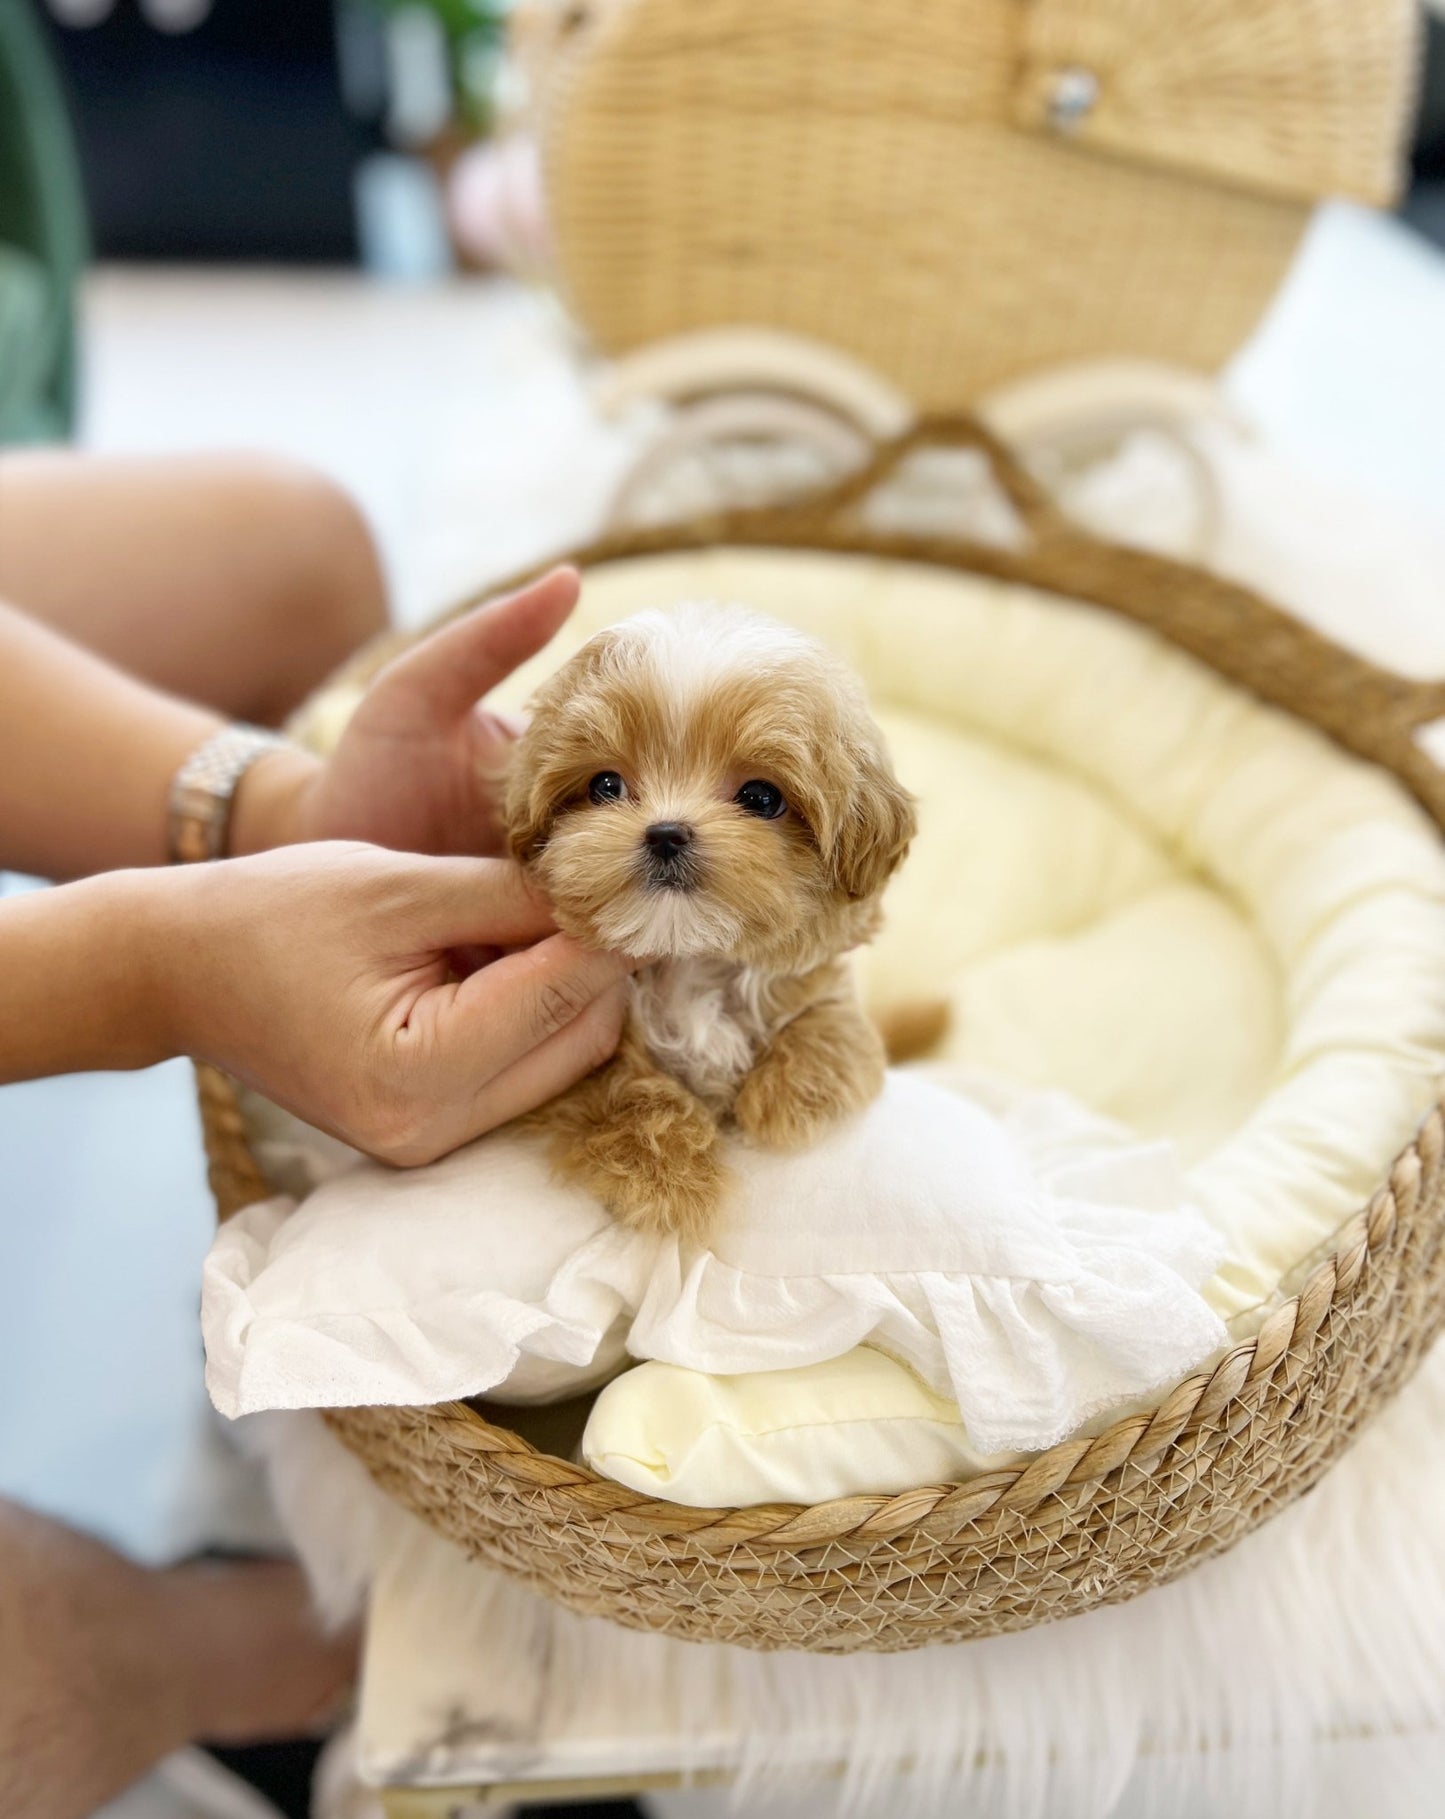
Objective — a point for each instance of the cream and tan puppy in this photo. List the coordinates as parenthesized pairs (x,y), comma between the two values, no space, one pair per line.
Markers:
(704,788)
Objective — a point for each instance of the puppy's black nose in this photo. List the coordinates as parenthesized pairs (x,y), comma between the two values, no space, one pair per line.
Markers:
(668,839)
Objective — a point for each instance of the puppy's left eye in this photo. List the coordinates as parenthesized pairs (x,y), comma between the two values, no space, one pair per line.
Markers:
(607,786)
(765,800)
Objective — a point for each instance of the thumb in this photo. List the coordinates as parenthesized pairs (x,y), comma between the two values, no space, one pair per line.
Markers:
(445,675)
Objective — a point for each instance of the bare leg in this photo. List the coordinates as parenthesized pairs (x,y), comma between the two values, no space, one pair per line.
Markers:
(235,581)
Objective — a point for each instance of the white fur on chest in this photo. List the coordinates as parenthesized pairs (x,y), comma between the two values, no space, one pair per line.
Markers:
(705,1022)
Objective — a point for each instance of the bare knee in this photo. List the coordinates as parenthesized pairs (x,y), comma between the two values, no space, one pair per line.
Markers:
(238,581)
(323,594)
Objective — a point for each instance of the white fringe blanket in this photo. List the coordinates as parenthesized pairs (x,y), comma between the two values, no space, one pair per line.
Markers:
(1329,1622)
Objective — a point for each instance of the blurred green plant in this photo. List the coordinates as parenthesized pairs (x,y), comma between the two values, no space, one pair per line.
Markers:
(476,37)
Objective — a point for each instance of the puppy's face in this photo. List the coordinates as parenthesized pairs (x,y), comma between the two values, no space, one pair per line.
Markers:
(704,781)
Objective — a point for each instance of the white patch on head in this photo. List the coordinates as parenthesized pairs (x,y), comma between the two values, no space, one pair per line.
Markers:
(694,647)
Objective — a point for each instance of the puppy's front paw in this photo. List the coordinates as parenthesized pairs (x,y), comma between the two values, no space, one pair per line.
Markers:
(652,1160)
(654,1194)
(783,1121)
(798,1093)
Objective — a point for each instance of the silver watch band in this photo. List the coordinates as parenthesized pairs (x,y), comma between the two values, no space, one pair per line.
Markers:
(204,789)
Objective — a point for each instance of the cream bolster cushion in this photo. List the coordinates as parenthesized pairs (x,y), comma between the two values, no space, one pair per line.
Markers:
(1037,1269)
(856,1424)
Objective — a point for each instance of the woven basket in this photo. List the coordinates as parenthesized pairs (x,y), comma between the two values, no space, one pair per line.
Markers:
(957,193)
(1090,1521)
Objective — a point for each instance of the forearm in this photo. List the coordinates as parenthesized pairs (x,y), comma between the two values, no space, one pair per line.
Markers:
(86,756)
(81,975)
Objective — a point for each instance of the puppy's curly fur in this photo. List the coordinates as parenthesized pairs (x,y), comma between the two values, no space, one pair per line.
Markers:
(704,789)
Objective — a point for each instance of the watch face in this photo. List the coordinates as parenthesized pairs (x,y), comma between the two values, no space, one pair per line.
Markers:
(195,819)
(191,844)
(202,793)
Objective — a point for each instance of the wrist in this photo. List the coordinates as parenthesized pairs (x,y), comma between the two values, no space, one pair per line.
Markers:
(272,800)
(155,910)
(83,976)
(184,950)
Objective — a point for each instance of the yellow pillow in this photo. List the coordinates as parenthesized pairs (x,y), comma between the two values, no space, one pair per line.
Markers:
(860,1423)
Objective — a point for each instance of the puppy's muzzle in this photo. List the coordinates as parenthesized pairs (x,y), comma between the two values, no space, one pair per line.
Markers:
(668,855)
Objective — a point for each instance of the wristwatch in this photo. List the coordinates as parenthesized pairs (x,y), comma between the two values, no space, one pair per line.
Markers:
(204,789)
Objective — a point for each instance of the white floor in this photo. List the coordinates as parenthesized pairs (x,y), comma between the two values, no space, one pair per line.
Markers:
(459,416)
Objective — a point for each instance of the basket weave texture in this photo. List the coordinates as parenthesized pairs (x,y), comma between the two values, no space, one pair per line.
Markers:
(1092,1520)
(958,194)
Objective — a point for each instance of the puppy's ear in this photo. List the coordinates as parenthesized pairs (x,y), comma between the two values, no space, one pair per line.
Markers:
(546,761)
(874,828)
(529,802)
(528,812)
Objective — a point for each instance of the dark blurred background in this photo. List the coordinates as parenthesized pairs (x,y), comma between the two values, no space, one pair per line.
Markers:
(275,130)
(227,139)
(312,130)
(1425,204)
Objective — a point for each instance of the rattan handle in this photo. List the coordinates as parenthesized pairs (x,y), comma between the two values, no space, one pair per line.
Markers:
(832,508)
(1041,517)
(1233,629)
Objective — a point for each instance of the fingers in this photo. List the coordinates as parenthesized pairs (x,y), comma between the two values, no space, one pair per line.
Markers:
(445,675)
(501,1042)
(464,961)
(554,1065)
(509,1009)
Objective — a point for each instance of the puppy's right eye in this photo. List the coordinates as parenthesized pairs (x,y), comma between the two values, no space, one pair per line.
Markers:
(607,786)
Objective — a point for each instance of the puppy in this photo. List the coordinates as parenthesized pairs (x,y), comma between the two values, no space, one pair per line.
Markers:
(704,789)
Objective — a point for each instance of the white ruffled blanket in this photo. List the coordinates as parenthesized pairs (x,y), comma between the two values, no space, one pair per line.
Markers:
(1038,1266)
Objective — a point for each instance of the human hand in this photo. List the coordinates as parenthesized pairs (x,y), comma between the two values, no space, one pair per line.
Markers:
(419,763)
(106,1666)
(325,976)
